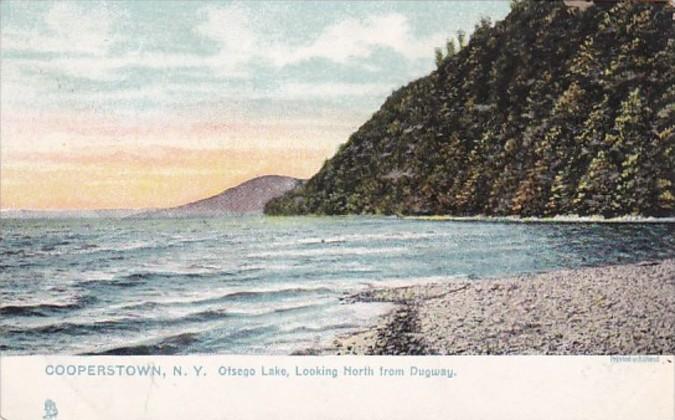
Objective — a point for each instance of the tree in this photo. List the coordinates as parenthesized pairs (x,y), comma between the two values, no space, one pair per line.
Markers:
(439,57)
(562,192)
(461,38)
(450,47)
(597,188)
(517,4)
(630,140)
(585,66)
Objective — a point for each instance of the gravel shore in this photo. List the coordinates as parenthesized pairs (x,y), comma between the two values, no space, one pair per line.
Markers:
(626,309)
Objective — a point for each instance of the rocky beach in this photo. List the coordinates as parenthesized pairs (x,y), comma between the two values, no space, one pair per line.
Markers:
(620,309)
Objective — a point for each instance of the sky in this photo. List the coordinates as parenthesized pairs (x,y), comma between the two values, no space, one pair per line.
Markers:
(146,104)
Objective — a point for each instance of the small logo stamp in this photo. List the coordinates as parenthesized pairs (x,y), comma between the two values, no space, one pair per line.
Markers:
(50,410)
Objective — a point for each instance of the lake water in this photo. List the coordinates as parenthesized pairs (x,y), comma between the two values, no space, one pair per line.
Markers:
(258,285)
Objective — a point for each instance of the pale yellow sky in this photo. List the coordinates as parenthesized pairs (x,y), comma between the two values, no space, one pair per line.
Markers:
(57,162)
(124,180)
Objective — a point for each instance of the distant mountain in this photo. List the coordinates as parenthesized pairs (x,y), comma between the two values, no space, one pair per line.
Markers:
(246,198)
(561,108)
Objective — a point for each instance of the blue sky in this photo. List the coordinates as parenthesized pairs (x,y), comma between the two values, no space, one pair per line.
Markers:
(131,75)
(127,52)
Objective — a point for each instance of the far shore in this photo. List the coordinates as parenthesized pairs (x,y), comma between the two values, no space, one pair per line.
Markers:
(12,214)
(621,309)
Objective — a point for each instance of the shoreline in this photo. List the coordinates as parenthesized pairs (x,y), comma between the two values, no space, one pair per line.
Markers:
(134,214)
(569,219)
(617,309)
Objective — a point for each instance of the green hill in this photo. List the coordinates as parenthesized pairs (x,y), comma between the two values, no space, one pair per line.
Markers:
(551,111)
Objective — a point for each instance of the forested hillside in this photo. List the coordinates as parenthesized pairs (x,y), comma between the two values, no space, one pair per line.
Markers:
(553,110)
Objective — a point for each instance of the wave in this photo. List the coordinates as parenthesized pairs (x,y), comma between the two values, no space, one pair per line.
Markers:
(14,252)
(322,329)
(215,297)
(141,278)
(319,252)
(166,346)
(249,332)
(265,294)
(123,324)
(297,308)
(180,343)
(339,239)
(127,247)
(46,309)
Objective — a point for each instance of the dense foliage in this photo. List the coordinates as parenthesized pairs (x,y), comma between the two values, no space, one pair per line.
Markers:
(551,111)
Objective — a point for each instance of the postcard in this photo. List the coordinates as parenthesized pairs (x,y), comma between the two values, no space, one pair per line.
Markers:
(337,209)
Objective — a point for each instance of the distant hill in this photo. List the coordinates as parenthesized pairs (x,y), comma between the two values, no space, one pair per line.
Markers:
(246,198)
(558,109)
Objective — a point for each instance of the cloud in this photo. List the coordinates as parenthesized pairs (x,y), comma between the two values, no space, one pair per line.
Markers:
(331,90)
(69,28)
(231,27)
(85,42)
(87,29)
(80,39)
(109,68)
(353,39)
(241,38)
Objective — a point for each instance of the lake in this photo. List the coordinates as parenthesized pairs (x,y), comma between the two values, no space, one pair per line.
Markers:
(259,285)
